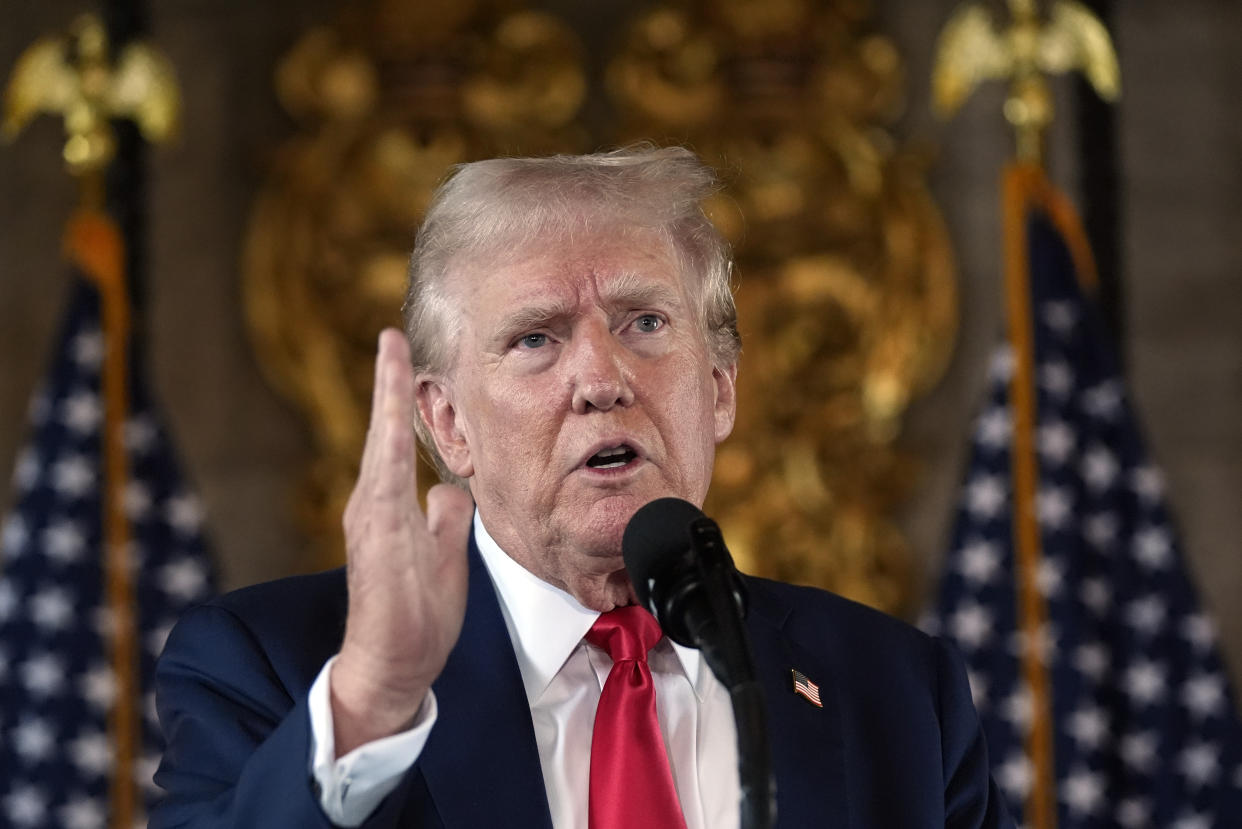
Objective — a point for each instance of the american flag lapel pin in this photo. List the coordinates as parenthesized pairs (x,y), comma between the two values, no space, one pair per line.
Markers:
(805,688)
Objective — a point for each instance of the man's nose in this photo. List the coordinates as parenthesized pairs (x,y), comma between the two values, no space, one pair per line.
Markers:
(600,377)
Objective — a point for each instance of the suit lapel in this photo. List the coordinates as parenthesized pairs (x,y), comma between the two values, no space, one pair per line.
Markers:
(481,762)
(806,742)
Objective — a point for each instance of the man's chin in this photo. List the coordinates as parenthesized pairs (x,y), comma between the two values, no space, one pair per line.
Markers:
(602,544)
(597,522)
(607,518)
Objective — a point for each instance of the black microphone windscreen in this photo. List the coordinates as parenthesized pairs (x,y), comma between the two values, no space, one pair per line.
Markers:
(657,536)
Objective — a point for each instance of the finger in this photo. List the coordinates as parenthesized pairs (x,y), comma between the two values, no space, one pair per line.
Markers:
(371,446)
(397,467)
(449,511)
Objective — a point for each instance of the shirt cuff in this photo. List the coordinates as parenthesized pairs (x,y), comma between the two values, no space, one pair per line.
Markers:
(350,788)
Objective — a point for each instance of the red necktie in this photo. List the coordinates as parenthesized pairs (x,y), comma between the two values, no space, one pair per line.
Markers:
(631,782)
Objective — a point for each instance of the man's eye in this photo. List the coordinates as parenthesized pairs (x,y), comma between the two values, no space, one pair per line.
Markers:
(534,340)
(648,323)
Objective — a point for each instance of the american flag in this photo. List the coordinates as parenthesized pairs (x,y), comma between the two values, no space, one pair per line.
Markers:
(56,680)
(803,687)
(1144,731)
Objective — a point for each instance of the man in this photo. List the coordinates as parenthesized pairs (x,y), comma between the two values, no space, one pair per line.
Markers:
(572,356)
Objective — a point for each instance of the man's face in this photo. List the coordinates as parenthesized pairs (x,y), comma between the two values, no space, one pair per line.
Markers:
(582,389)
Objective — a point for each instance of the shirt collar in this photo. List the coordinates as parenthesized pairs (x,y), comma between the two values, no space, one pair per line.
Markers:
(546,623)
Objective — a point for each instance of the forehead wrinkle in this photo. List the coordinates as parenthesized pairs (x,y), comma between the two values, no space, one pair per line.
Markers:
(630,289)
(536,313)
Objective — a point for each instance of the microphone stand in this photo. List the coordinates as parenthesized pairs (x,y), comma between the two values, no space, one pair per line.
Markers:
(735,668)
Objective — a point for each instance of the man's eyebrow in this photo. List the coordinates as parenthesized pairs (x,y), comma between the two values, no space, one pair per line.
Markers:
(532,316)
(630,291)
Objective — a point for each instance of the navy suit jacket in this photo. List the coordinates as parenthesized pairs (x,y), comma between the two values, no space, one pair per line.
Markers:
(896,744)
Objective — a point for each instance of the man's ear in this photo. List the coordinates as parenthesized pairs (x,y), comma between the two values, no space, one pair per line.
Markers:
(726,399)
(436,406)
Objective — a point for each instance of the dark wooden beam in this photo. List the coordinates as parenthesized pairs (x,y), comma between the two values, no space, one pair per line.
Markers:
(126,21)
(1101,186)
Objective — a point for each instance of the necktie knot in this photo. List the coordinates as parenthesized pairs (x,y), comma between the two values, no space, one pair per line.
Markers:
(625,633)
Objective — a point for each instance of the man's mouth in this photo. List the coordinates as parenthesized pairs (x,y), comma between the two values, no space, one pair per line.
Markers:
(613,457)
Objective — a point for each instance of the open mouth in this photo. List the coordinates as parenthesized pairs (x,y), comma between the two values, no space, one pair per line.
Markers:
(614,457)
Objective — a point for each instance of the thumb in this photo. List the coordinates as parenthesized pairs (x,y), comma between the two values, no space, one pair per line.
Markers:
(449,510)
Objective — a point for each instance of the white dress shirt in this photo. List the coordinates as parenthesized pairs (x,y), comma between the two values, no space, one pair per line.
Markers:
(563,677)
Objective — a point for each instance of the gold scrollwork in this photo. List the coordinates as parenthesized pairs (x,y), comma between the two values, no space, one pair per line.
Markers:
(389,98)
(847,291)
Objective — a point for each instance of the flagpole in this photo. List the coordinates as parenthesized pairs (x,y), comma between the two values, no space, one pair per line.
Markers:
(116,234)
(1025,188)
(96,245)
(93,243)
(1032,611)
(972,49)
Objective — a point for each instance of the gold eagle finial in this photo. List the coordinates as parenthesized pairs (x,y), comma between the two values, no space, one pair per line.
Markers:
(972,49)
(71,76)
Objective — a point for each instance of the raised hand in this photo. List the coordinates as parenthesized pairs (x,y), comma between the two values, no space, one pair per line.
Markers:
(406,570)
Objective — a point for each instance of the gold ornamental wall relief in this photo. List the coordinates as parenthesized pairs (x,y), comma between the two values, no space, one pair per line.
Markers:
(847,293)
(846,288)
(387,99)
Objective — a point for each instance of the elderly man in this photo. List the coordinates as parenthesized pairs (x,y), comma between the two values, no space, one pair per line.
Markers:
(572,355)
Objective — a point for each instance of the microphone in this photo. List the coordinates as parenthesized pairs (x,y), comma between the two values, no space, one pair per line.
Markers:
(682,572)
